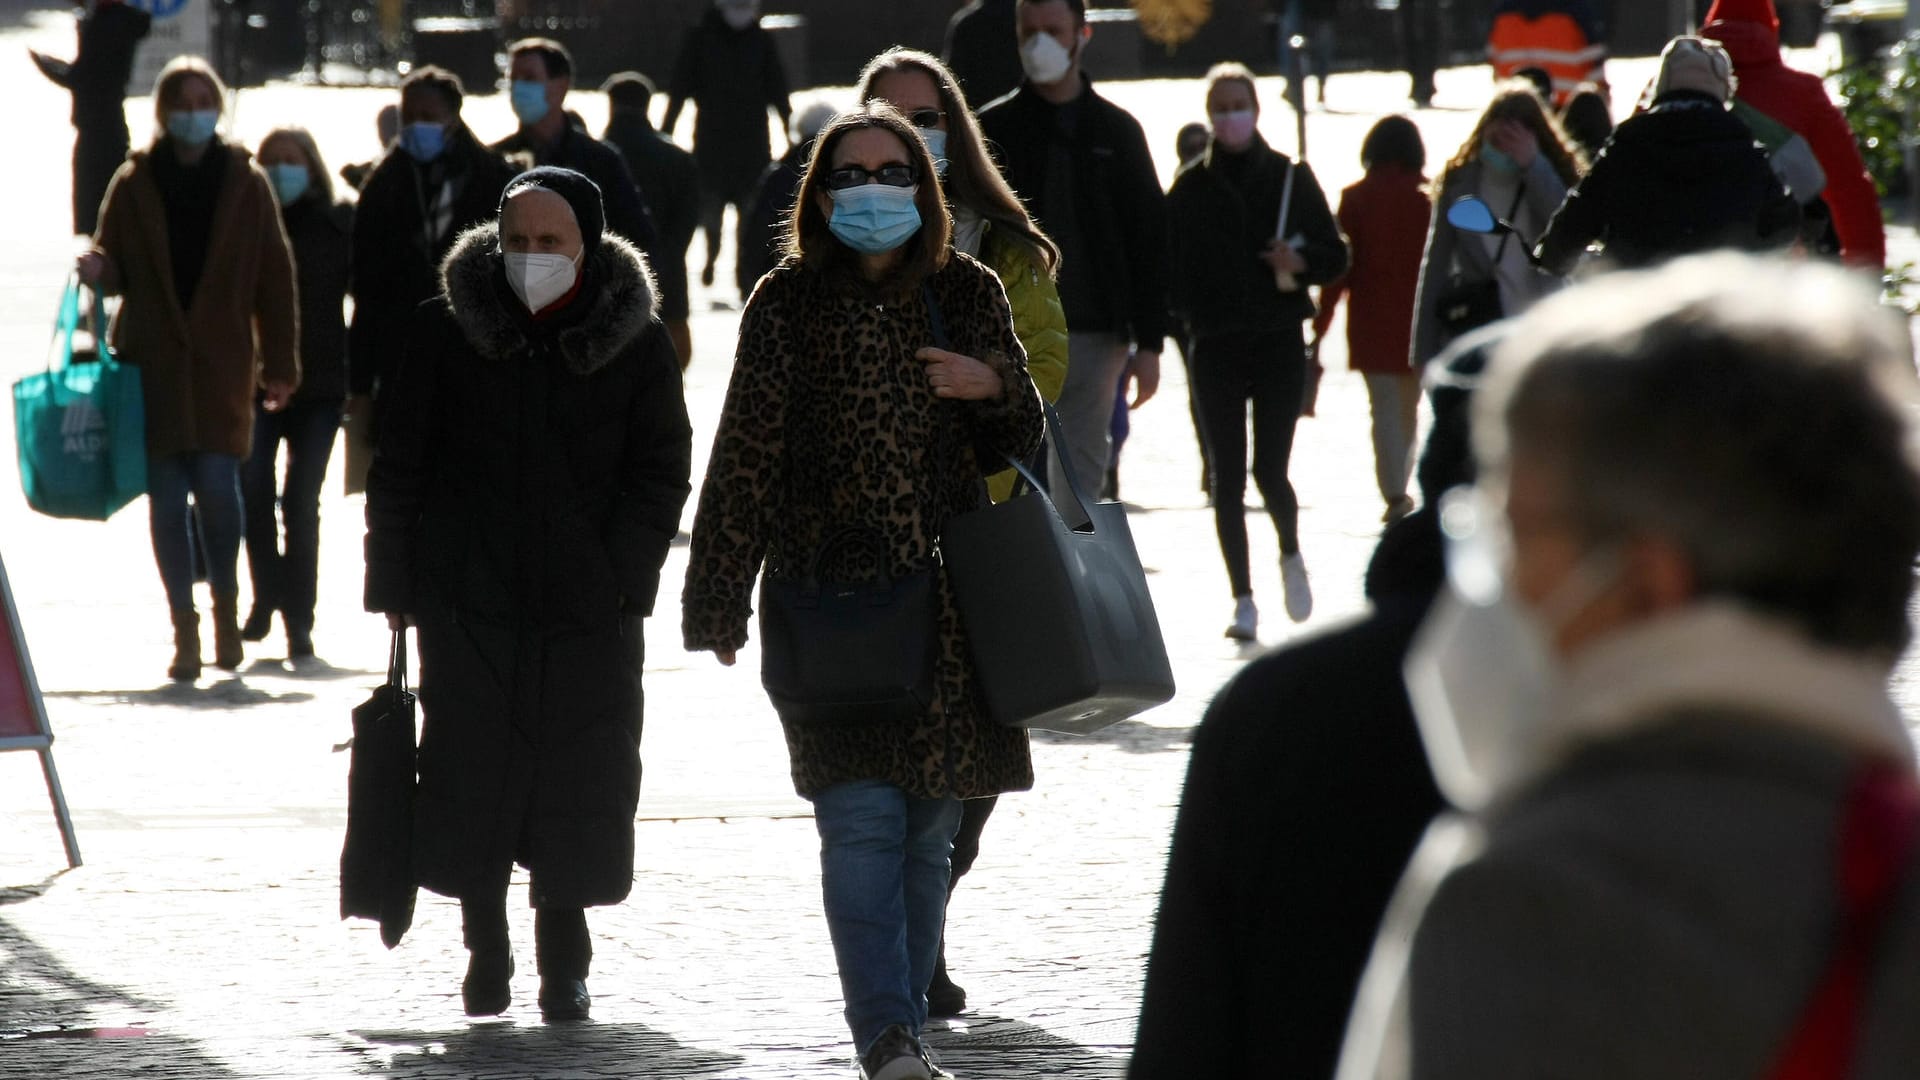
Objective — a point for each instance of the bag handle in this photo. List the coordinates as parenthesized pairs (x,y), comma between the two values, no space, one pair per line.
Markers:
(845,536)
(65,322)
(1081,520)
(397,661)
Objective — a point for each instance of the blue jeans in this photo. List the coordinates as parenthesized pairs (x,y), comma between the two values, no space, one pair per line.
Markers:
(883,874)
(213,480)
(286,582)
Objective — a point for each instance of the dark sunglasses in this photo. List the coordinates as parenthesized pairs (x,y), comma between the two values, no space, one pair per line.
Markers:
(926,118)
(853,176)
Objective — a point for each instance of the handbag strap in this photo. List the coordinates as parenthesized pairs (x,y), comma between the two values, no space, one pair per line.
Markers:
(65,322)
(1500,249)
(397,661)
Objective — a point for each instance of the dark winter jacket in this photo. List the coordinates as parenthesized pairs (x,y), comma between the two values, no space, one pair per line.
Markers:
(1306,791)
(396,263)
(102,65)
(322,239)
(762,236)
(983,50)
(528,481)
(626,206)
(734,76)
(1683,177)
(829,422)
(1221,214)
(1118,207)
(670,182)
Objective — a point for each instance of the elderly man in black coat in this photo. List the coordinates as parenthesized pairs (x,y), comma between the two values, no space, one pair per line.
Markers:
(97,77)
(522,499)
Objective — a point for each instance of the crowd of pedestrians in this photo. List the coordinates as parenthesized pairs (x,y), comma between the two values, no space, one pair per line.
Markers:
(1615,598)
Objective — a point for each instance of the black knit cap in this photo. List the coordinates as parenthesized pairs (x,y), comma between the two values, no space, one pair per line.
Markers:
(582,194)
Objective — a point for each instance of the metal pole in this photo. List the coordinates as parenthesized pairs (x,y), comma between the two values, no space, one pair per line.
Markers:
(67,836)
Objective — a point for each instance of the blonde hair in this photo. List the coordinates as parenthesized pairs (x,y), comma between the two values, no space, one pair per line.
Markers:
(166,87)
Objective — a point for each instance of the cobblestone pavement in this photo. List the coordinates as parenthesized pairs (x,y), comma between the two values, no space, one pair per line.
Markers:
(200,938)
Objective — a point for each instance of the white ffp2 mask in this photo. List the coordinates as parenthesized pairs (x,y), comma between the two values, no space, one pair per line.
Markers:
(540,279)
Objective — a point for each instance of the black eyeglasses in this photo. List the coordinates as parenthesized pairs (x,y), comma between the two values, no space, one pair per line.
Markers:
(853,176)
(926,118)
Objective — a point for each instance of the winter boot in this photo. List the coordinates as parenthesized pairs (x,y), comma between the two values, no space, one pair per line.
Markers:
(186,646)
(226,632)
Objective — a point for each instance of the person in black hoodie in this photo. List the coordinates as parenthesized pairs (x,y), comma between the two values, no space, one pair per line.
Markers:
(1250,230)
(1307,791)
(521,503)
(730,69)
(435,182)
(321,232)
(982,50)
(671,180)
(110,30)
(1684,176)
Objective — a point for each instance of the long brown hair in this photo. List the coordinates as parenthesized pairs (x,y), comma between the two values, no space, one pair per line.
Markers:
(809,238)
(1517,100)
(972,181)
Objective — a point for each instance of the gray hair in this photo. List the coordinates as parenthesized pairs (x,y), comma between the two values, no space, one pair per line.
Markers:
(1757,413)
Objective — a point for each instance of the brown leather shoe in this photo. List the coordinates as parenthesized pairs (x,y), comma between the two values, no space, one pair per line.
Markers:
(227,649)
(186,646)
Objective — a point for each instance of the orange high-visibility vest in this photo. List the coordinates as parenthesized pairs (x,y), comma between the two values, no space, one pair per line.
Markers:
(1555,42)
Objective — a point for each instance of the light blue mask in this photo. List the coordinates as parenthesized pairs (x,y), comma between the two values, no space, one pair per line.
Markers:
(193,127)
(290,182)
(529,100)
(874,218)
(1497,159)
(936,141)
(423,141)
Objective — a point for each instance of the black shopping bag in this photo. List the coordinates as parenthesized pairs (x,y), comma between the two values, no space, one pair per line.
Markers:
(1059,621)
(376,864)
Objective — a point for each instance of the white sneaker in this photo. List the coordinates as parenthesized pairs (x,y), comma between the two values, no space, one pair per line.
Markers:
(1293,578)
(1246,620)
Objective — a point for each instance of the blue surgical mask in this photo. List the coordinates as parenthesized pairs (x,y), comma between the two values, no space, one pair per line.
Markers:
(192,127)
(529,100)
(423,141)
(874,218)
(936,141)
(290,181)
(1497,159)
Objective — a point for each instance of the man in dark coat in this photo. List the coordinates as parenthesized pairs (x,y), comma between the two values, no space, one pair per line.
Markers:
(671,181)
(540,72)
(1307,791)
(729,67)
(1082,166)
(983,51)
(434,183)
(521,502)
(97,78)
(1684,176)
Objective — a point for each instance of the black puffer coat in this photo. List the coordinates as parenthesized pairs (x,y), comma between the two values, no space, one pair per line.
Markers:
(322,239)
(528,482)
(1685,176)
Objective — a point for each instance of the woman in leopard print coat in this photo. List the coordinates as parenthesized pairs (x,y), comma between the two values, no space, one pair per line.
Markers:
(841,412)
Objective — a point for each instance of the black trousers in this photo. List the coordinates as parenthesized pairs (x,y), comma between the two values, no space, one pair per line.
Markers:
(1269,369)
(561,946)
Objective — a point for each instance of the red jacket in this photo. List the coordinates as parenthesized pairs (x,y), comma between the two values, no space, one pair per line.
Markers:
(1385,217)
(1751,32)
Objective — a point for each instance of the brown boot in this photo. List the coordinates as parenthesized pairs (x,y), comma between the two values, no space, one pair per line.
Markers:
(186,645)
(226,633)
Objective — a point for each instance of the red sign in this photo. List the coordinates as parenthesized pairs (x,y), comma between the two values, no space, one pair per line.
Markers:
(20,715)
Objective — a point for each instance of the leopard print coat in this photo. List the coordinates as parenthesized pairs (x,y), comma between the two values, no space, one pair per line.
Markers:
(829,421)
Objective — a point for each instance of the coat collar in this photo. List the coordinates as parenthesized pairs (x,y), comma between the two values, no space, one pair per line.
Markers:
(620,307)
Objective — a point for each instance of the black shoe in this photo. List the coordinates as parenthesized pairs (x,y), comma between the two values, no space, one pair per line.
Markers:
(259,623)
(299,643)
(487,990)
(564,999)
(944,999)
(706,274)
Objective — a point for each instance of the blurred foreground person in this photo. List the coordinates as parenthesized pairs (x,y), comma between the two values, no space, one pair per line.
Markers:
(531,469)
(1660,685)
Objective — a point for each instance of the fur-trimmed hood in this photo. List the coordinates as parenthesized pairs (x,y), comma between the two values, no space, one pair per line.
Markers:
(624,301)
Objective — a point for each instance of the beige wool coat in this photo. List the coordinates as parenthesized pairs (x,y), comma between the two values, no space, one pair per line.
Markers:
(200,367)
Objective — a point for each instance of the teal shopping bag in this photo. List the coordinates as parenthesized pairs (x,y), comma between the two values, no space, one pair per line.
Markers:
(80,428)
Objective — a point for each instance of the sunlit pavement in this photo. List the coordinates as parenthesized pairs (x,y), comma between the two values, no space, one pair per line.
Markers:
(201,938)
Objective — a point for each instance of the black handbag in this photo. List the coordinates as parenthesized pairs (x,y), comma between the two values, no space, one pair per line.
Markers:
(844,653)
(376,862)
(1060,625)
(1467,305)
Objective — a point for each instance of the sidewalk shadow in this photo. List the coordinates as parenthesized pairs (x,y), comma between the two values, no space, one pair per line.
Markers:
(993,1047)
(20,894)
(486,1049)
(1130,735)
(50,1022)
(228,693)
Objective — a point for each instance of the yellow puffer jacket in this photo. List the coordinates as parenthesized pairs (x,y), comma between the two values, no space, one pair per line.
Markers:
(1038,321)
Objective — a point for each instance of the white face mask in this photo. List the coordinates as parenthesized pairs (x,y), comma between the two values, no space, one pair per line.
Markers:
(1481,674)
(539,279)
(1045,60)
